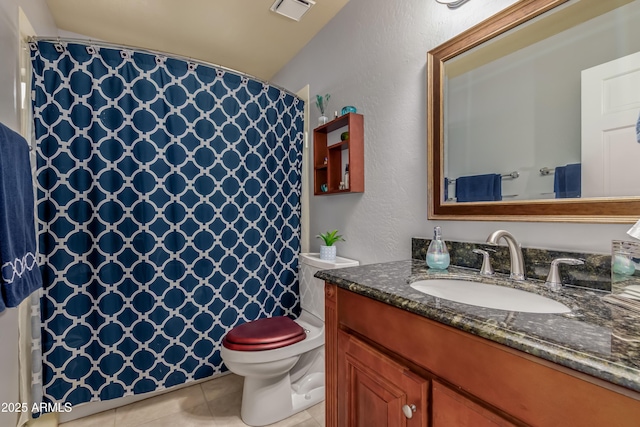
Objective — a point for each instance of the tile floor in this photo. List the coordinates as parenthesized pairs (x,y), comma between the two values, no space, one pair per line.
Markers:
(214,403)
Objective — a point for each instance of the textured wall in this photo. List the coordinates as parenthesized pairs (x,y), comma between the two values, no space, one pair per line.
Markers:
(373,55)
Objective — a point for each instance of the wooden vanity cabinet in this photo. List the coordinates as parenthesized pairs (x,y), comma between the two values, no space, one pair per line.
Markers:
(380,358)
(377,391)
(452,409)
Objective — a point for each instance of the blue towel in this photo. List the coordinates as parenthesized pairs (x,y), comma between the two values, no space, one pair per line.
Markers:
(20,273)
(479,188)
(638,129)
(567,181)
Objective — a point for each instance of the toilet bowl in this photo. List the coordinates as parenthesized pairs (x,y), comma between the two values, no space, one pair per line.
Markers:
(282,361)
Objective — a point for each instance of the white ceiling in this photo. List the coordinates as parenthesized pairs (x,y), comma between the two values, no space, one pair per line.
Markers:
(240,34)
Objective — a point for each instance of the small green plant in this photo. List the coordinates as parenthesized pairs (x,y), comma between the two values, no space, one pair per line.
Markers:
(330,237)
(322,102)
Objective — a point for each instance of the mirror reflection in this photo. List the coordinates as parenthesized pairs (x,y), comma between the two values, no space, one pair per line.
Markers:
(625,268)
(548,110)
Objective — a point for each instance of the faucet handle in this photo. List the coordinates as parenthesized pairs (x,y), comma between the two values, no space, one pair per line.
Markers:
(554,282)
(486,269)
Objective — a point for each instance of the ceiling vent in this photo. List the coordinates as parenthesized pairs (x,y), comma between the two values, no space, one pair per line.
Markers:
(293,9)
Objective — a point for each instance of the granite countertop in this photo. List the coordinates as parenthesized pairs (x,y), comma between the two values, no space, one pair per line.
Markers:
(596,338)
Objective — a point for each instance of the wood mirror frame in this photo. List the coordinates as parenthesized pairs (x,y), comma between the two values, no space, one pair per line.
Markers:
(595,210)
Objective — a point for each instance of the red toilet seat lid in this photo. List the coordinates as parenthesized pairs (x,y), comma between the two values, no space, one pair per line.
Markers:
(264,334)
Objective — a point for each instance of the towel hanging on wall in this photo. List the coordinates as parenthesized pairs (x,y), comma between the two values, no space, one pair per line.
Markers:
(20,273)
(638,129)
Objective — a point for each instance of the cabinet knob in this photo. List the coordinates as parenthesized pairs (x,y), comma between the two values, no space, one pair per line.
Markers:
(409,410)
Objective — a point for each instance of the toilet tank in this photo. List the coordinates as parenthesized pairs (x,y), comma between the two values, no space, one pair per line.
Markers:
(311,288)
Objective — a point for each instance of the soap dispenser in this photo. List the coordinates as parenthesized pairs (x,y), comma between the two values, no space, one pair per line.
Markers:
(437,254)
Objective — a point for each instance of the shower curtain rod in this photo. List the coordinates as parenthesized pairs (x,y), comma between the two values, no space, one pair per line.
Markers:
(154,52)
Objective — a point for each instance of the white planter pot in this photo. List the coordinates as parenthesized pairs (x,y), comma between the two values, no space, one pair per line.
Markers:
(328,253)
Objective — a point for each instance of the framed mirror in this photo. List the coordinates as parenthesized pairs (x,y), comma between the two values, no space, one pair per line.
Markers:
(534,114)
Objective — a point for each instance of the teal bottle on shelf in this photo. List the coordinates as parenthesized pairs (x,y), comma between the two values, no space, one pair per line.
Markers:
(437,253)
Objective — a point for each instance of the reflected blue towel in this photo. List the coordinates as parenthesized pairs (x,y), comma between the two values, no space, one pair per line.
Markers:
(20,273)
(479,188)
(567,181)
(446,189)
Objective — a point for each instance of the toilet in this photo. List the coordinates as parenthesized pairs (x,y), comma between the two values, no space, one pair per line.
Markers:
(282,360)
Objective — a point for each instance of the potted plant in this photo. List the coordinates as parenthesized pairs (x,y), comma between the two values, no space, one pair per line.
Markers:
(322,103)
(328,250)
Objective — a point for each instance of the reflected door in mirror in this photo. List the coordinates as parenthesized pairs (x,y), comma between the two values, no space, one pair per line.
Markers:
(610,110)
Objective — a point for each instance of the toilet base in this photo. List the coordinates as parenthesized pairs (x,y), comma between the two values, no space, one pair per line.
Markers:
(269,400)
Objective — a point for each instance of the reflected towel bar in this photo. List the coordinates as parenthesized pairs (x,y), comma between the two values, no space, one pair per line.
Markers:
(546,171)
(505,196)
(512,175)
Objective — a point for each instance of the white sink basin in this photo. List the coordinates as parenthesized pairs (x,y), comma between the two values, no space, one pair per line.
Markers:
(489,296)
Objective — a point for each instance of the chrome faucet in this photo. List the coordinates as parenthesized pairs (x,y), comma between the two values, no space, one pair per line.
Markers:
(515,252)
(486,269)
(554,282)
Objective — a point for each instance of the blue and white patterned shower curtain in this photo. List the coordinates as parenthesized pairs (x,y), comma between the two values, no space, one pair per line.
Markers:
(168,212)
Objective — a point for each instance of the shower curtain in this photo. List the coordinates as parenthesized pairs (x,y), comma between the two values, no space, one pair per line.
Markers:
(168,207)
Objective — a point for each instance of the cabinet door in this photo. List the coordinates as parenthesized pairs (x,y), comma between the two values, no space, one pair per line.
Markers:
(453,409)
(375,391)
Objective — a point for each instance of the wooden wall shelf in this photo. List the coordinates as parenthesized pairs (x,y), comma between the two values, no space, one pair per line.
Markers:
(331,155)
